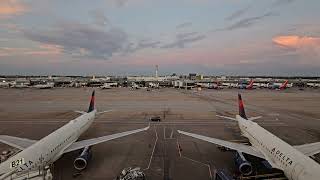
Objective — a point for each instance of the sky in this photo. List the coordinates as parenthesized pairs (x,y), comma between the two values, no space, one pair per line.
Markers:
(130,37)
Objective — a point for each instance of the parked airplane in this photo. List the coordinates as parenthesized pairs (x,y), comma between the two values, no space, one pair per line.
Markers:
(44,86)
(230,85)
(38,154)
(106,86)
(20,85)
(210,85)
(246,86)
(313,85)
(4,84)
(279,86)
(153,85)
(294,161)
(135,86)
(112,84)
(214,86)
(260,85)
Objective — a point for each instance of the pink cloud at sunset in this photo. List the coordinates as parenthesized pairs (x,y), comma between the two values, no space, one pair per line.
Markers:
(296,42)
(11,7)
(43,50)
(305,48)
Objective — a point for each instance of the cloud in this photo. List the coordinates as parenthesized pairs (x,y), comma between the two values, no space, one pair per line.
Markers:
(121,3)
(238,13)
(11,7)
(277,3)
(296,42)
(43,49)
(148,44)
(247,22)
(125,3)
(82,40)
(186,35)
(184,39)
(142,44)
(184,25)
(99,18)
(306,48)
(46,49)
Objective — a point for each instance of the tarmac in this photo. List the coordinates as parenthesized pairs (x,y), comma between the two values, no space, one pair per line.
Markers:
(292,115)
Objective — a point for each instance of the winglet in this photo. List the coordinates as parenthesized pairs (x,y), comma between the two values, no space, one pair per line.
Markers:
(242,112)
(91,106)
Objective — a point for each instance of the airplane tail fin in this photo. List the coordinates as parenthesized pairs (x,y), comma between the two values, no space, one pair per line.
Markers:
(284,85)
(242,112)
(250,84)
(91,106)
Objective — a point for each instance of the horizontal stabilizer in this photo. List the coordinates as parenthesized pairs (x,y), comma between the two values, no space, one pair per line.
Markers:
(309,149)
(80,112)
(104,111)
(226,117)
(255,118)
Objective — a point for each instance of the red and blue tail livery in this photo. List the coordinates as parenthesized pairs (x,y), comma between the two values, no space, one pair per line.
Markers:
(242,112)
(91,106)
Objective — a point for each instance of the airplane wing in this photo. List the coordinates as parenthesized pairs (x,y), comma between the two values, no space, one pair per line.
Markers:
(89,142)
(234,146)
(20,143)
(309,149)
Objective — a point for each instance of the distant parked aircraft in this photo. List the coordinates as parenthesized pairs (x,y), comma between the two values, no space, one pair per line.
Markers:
(135,86)
(246,86)
(313,85)
(280,86)
(4,84)
(44,86)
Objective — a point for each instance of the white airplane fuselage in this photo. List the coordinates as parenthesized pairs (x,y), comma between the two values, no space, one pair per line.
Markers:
(50,148)
(281,155)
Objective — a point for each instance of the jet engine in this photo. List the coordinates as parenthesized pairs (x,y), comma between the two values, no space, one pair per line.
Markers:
(81,162)
(243,165)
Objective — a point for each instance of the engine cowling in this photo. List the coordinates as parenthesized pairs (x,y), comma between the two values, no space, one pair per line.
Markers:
(81,162)
(243,165)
